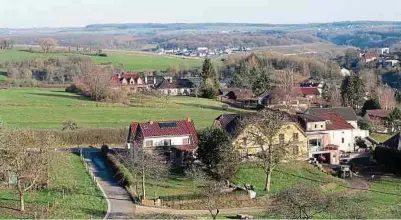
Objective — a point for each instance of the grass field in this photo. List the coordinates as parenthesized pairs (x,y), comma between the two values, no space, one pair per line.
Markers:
(84,201)
(48,108)
(381,137)
(132,61)
(284,176)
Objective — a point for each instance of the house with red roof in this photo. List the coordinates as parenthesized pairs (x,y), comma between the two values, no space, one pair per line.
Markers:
(177,140)
(135,81)
(328,128)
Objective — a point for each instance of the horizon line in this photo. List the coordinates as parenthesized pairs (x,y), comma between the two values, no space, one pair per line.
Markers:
(194,23)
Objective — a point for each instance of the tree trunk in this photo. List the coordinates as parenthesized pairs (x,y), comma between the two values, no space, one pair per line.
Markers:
(268,180)
(143,183)
(22,201)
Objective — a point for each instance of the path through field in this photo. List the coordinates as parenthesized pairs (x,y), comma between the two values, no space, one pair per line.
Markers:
(121,205)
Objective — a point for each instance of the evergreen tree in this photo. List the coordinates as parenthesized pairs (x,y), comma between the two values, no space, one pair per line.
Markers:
(210,79)
(353,91)
(370,104)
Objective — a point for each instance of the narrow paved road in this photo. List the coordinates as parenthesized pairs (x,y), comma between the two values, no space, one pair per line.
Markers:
(121,205)
(231,211)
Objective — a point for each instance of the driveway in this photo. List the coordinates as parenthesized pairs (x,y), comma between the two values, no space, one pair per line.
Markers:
(121,205)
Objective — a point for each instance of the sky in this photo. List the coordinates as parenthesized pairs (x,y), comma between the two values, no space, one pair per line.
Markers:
(78,13)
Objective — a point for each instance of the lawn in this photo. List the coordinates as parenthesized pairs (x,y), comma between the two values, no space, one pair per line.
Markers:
(48,108)
(381,137)
(131,61)
(284,176)
(143,61)
(384,199)
(83,200)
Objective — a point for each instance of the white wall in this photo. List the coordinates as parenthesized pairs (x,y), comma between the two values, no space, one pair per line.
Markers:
(319,126)
(159,141)
(336,139)
(349,138)
(353,123)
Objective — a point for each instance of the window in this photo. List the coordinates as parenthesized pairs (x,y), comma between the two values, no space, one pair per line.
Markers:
(315,142)
(315,125)
(185,141)
(295,137)
(342,140)
(321,126)
(167,142)
(281,138)
(149,143)
(295,150)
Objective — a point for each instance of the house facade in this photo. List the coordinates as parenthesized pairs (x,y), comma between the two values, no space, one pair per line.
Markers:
(379,119)
(237,97)
(181,87)
(174,139)
(289,133)
(340,127)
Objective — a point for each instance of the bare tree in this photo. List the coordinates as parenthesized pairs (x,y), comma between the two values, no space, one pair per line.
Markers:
(371,83)
(6,43)
(335,97)
(263,128)
(47,44)
(94,81)
(386,96)
(13,73)
(211,194)
(303,202)
(197,175)
(145,164)
(286,82)
(26,156)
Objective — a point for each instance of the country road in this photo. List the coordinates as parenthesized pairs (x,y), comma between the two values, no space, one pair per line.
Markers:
(121,205)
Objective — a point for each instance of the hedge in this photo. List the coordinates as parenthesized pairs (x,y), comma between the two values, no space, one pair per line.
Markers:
(90,136)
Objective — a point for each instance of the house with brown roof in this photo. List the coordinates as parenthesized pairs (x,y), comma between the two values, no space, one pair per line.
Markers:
(176,140)
(379,119)
(180,87)
(238,97)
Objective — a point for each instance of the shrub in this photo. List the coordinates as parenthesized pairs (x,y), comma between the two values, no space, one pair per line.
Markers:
(209,93)
(102,55)
(70,126)
(92,136)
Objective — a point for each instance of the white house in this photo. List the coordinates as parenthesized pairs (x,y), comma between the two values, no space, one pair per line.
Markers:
(341,127)
(328,133)
(181,87)
(174,139)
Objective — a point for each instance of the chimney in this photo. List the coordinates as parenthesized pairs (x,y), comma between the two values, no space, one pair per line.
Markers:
(151,122)
(154,80)
(146,79)
(170,79)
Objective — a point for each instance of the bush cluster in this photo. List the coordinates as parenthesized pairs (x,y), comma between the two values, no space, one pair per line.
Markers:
(92,136)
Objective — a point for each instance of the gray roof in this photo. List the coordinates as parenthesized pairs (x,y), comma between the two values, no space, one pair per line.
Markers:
(394,142)
(347,113)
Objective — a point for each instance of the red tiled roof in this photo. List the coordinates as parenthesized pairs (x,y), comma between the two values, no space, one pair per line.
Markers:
(153,129)
(335,122)
(378,113)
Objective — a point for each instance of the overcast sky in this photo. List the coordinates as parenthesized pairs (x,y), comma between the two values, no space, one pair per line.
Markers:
(73,13)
